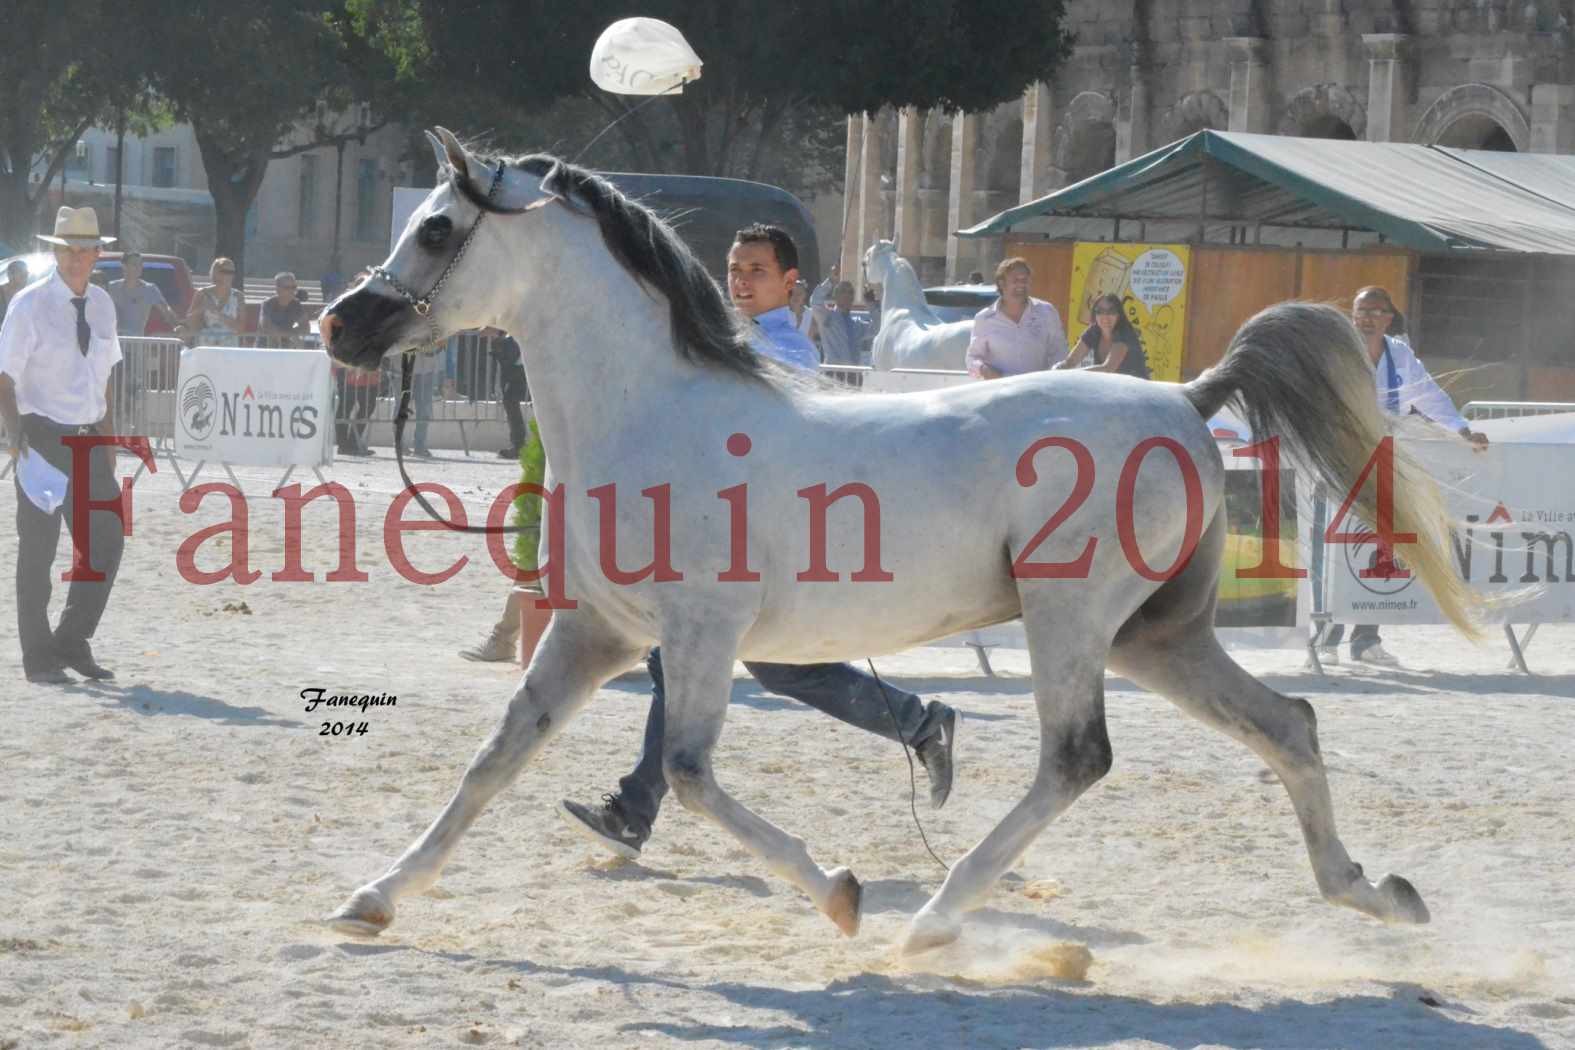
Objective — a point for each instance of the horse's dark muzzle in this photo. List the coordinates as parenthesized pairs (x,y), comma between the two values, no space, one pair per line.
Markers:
(359,327)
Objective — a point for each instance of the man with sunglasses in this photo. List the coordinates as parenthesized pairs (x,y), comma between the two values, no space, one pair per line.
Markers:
(57,349)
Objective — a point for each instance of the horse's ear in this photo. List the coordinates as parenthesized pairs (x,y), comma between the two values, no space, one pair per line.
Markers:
(450,152)
(439,154)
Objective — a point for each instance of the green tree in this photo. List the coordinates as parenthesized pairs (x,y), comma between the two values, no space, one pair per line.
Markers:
(768,66)
(67,67)
(262,81)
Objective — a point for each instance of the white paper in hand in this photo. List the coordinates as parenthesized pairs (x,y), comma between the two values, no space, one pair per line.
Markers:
(45,486)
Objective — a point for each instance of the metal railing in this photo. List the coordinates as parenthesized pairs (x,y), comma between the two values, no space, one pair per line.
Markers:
(1475,410)
(465,389)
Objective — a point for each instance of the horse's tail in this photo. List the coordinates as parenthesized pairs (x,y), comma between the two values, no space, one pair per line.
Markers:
(1299,370)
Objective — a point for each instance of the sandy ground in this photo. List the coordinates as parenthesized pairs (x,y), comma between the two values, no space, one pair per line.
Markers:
(167,844)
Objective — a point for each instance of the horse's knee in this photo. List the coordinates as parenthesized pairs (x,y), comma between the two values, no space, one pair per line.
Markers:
(1080,756)
(688,776)
(1309,717)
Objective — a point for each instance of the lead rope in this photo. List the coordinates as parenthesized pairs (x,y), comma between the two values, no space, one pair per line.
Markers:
(913,783)
(407,369)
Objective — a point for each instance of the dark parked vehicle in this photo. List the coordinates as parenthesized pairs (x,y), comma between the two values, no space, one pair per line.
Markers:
(959,302)
(707,211)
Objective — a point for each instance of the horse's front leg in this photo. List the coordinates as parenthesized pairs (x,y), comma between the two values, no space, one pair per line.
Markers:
(699,673)
(577,654)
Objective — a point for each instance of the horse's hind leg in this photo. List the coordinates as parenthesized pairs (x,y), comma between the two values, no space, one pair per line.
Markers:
(1074,753)
(1187,666)
(575,657)
(699,685)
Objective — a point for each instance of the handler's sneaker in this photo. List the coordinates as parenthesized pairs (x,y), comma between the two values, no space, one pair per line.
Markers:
(1375,654)
(936,754)
(605,825)
(500,645)
(1328,656)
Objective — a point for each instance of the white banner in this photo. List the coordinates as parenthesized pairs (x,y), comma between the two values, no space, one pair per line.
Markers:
(263,408)
(1515,505)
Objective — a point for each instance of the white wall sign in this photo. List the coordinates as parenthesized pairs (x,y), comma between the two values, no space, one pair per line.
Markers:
(266,408)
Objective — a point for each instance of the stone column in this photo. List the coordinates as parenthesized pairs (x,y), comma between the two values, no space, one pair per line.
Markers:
(1553,118)
(1037,177)
(906,228)
(1249,84)
(848,257)
(961,254)
(869,204)
(1388,86)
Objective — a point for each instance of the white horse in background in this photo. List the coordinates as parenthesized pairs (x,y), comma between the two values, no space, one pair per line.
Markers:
(1034,496)
(910,335)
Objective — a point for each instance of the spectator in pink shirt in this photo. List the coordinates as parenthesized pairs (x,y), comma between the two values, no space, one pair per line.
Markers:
(1017,333)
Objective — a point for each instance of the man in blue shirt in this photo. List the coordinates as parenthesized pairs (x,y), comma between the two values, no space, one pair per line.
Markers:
(843,336)
(762,268)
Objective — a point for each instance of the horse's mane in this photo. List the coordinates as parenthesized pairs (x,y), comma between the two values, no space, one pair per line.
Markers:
(705,330)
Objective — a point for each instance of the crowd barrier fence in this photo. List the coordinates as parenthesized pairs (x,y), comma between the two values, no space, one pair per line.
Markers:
(466,389)
(1475,410)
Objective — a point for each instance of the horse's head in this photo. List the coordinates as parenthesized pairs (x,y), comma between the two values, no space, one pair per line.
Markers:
(877,261)
(441,277)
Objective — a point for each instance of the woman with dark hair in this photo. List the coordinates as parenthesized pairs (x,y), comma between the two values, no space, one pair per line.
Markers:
(1111,343)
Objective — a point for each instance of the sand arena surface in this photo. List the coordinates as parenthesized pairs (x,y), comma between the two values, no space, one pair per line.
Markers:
(170,840)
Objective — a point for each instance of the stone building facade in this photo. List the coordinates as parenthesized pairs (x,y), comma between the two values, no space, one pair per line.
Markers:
(1485,74)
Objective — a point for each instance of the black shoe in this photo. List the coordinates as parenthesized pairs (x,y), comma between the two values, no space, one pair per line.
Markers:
(49,676)
(79,658)
(509,453)
(935,753)
(605,825)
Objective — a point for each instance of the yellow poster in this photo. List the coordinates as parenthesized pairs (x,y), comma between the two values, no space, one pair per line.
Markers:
(1151,280)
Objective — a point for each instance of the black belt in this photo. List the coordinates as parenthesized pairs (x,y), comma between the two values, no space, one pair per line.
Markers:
(33,419)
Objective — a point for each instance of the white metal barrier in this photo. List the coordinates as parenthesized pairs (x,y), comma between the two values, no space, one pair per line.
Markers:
(466,390)
(1475,410)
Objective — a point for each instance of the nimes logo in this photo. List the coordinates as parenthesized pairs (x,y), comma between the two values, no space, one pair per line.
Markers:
(198,407)
(202,411)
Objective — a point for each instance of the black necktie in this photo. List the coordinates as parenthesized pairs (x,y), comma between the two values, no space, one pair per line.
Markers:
(84,333)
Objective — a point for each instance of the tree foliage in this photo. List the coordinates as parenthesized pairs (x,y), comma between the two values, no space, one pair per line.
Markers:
(249,76)
(65,68)
(770,68)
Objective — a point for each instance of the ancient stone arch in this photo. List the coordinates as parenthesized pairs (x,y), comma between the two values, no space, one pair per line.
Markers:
(1475,116)
(1085,144)
(1194,112)
(1324,111)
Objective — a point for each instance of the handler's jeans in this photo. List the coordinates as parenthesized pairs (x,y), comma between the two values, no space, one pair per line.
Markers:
(38,534)
(839,690)
(421,402)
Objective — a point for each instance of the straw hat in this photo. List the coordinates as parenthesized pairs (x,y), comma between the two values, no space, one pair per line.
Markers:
(76,228)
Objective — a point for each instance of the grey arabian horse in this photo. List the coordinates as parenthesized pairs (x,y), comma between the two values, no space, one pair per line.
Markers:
(1089,505)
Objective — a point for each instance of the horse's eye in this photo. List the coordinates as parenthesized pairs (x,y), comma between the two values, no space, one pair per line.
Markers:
(435,231)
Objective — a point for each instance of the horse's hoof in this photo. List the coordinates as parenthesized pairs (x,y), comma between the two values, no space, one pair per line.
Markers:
(366,914)
(1405,904)
(929,931)
(844,900)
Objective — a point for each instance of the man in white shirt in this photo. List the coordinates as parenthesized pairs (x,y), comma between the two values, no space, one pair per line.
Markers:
(1017,333)
(58,346)
(1403,387)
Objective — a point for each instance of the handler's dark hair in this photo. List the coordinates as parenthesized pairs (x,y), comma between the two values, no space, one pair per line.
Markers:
(779,239)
